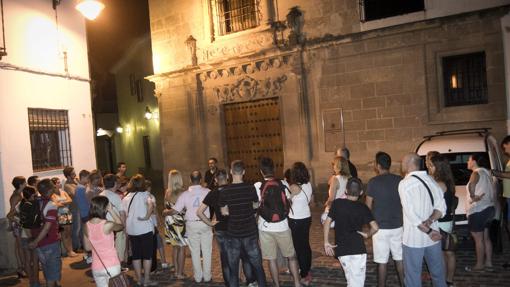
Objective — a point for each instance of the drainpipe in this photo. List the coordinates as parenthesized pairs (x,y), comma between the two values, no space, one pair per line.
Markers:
(505,32)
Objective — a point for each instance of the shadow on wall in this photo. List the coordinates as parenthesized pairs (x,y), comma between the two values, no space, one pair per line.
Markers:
(7,255)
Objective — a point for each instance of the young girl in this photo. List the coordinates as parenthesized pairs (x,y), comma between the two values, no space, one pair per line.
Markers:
(99,237)
(19,184)
(30,255)
(65,218)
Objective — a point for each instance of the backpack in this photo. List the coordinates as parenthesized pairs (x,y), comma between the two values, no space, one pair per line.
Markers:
(274,204)
(30,214)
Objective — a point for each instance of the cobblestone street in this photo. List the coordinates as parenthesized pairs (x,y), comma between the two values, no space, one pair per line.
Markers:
(326,270)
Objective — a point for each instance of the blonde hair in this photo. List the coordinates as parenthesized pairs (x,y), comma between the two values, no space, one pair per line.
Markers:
(175,185)
(341,165)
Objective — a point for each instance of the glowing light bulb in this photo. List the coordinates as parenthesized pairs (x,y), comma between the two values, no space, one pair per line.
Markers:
(90,8)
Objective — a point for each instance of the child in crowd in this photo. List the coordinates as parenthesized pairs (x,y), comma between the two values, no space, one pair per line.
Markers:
(47,239)
(350,216)
(25,208)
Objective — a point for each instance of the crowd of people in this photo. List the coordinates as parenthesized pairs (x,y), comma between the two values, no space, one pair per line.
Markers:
(113,221)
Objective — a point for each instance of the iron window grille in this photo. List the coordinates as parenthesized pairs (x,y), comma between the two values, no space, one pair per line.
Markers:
(378,9)
(49,139)
(464,79)
(236,15)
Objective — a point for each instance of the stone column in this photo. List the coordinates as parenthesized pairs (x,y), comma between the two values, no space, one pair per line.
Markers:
(505,33)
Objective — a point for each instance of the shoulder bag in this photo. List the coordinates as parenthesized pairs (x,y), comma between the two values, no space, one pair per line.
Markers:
(119,280)
(448,240)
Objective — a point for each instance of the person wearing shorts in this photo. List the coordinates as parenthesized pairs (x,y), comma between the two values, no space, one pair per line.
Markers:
(275,235)
(350,216)
(481,197)
(384,201)
(47,239)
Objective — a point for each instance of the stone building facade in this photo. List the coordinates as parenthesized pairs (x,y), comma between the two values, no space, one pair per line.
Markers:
(283,86)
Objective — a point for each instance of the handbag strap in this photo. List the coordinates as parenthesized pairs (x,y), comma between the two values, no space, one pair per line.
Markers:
(131,201)
(428,189)
(102,263)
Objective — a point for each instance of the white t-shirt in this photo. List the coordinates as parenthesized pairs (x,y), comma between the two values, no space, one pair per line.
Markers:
(300,203)
(271,227)
(115,201)
(138,209)
(154,216)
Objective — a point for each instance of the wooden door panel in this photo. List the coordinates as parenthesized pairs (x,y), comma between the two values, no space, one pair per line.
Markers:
(253,130)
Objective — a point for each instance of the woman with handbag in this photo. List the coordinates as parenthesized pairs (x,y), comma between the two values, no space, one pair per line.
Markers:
(439,167)
(174,224)
(65,218)
(99,237)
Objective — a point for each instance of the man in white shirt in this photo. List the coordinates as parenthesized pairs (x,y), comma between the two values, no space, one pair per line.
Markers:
(422,204)
(111,184)
(276,235)
(199,234)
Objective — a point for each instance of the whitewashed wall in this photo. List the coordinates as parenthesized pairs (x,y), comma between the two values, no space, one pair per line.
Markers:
(34,42)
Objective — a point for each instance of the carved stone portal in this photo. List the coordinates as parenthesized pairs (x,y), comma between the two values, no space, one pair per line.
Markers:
(248,88)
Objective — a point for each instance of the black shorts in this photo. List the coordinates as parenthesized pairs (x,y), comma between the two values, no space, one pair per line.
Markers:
(478,221)
(142,246)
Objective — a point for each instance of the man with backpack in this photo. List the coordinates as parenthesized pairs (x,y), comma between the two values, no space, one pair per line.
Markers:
(47,239)
(274,231)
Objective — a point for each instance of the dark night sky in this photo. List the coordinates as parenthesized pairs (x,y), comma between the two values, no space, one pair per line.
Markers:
(109,36)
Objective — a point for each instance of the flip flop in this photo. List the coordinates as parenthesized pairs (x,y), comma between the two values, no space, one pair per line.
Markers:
(471,269)
(490,269)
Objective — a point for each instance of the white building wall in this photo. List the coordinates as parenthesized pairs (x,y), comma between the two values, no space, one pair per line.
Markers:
(34,42)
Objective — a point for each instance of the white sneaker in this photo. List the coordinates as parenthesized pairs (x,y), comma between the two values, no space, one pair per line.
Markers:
(88,259)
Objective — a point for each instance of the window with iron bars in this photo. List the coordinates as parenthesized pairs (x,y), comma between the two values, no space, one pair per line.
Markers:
(378,9)
(49,139)
(236,15)
(464,79)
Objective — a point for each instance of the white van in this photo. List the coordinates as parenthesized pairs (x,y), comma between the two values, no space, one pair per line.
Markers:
(458,145)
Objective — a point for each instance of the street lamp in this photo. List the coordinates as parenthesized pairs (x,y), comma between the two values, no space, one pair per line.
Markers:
(90,9)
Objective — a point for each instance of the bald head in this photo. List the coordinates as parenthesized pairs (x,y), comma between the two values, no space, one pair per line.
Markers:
(411,162)
(195,177)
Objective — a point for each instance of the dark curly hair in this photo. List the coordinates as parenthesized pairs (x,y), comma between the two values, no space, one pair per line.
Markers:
(443,172)
(299,173)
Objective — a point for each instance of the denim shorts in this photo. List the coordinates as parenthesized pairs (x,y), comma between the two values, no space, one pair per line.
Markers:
(49,256)
(478,221)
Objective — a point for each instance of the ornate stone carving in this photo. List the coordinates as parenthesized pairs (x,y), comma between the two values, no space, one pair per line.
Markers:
(244,69)
(253,43)
(248,88)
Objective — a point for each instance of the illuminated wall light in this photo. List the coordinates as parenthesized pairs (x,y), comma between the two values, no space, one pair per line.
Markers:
(119,130)
(148,114)
(102,132)
(453,81)
(90,9)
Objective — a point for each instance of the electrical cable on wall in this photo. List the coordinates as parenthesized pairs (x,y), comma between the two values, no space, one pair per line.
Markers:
(3,49)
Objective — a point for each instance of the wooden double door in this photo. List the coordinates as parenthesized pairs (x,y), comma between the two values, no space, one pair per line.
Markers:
(253,130)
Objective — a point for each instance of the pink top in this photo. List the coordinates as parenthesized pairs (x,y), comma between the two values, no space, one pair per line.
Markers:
(104,245)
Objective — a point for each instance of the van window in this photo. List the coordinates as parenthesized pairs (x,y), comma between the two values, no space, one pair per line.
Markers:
(458,163)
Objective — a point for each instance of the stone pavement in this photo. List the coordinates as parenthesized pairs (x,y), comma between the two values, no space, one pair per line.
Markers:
(326,270)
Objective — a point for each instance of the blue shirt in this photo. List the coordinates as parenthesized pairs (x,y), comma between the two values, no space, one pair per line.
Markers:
(82,201)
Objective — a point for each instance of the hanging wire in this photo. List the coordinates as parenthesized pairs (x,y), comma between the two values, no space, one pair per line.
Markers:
(3,49)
